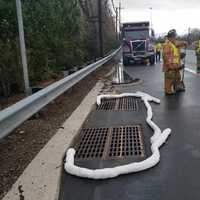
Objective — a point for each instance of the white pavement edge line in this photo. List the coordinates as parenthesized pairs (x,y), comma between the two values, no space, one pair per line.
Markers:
(41,178)
(191,71)
(157,140)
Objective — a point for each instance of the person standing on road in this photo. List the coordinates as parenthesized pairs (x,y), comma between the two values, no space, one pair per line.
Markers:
(172,63)
(158,51)
(197,49)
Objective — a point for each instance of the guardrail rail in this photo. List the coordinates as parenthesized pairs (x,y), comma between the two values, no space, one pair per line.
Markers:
(13,116)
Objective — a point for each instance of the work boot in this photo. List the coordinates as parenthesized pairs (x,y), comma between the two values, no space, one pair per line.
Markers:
(180,87)
(170,93)
(180,90)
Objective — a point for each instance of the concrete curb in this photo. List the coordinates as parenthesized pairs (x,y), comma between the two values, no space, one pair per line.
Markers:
(40,180)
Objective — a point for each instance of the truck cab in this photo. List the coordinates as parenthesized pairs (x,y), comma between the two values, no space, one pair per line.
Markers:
(138,43)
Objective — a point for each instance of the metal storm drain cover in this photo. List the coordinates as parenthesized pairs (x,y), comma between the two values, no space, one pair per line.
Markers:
(126,141)
(128,103)
(92,143)
(107,104)
(123,104)
(110,143)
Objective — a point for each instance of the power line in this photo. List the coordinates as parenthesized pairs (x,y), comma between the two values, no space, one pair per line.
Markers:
(100,28)
(85,11)
(117,18)
(113,5)
(98,18)
(120,18)
(116,21)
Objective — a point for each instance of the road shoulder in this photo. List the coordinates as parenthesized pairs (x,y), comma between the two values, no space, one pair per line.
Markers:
(40,179)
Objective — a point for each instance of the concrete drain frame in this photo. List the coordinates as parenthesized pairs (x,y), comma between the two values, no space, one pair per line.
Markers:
(119,104)
(113,143)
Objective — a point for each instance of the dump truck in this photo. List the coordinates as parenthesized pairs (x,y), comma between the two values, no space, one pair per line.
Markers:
(138,43)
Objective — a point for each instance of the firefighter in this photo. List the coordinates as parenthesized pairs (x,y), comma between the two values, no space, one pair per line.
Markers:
(197,48)
(172,63)
(158,51)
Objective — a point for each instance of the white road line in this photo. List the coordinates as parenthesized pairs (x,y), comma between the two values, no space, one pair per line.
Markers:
(191,71)
(40,180)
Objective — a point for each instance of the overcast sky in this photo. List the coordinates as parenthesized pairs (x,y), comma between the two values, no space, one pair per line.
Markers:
(167,14)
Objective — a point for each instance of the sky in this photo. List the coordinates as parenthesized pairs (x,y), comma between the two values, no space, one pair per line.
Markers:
(166,14)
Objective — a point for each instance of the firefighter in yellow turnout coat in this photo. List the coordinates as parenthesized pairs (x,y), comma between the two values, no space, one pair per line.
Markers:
(172,64)
(158,48)
(197,48)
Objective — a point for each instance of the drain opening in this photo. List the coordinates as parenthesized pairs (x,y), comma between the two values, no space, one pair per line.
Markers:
(91,143)
(126,141)
(128,103)
(110,143)
(107,104)
(119,104)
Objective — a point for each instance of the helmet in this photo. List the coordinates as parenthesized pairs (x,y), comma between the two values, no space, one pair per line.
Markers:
(172,33)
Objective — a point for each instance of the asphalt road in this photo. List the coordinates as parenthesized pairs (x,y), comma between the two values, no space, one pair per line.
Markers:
(177,175)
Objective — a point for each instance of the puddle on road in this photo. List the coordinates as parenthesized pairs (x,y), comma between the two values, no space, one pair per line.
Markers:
(122,77)
(119,74)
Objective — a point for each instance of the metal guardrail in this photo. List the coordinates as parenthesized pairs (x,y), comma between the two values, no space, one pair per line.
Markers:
(13,116)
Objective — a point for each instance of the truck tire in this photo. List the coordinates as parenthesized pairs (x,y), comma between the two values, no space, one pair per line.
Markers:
(125,61)
(152,60)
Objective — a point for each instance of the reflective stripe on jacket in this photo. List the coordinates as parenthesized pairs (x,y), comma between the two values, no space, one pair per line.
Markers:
(176,57)
(198,47)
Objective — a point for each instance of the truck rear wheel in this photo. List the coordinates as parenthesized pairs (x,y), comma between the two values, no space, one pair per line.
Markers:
(152,60)
(126,61)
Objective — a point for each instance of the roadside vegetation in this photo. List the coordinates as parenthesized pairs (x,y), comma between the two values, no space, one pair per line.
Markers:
(59,34)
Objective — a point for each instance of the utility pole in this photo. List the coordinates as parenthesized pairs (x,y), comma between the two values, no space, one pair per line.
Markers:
(116,25)
(22,47)
(188,38)
(101,52)
(120,19)
(151,18)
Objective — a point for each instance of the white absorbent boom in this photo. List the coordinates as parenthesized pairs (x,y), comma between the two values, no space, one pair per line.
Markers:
(157,140)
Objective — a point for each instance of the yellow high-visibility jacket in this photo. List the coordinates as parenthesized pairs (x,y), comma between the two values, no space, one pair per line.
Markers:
(171,56)
(158,47)
(198,47)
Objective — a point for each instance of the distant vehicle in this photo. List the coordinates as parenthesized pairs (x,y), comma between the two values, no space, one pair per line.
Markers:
(138,43)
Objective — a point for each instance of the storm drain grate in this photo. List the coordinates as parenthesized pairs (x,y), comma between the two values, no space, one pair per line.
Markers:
(107,104)
(92,143)
(128,103)
(123,104)
(110,143)
(126,141)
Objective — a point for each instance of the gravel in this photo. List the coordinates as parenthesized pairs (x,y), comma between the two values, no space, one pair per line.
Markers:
(19,148)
